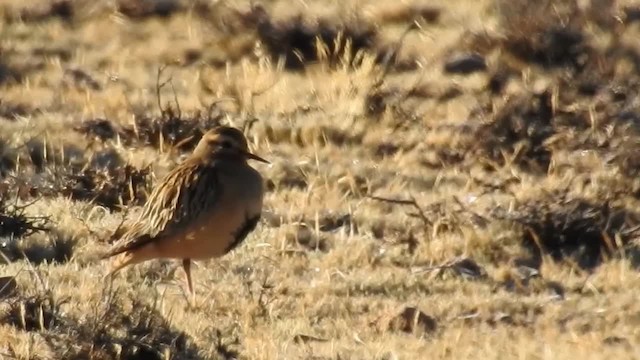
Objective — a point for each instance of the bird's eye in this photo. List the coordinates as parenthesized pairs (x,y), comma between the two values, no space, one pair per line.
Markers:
(226,145)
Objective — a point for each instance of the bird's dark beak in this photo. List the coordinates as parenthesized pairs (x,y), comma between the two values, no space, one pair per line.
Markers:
(255,157)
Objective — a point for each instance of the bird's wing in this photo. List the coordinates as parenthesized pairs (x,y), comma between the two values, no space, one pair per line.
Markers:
(187,191)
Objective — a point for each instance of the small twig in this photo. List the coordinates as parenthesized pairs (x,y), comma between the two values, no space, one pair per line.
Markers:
(108,295)
(630,231)
(6,259)
(412,90)
(24,206)
(392,201)
(215,103)
(264,289)
(412,202)
(14,277)
(391,55)
(446,265)
(86,226)
(28,224)
(122,221)
(464,208)
(159,87)
(248,125)
(175,98)
(255,93)
(7,355)
(535,238)
(36,273)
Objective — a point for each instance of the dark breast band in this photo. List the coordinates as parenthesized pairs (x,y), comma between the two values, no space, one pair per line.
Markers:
(248,226)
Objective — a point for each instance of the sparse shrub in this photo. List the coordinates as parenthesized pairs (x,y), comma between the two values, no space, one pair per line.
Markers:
(110,187)
(101,129)
(62,9)
(171,129)
(15,223)
(33,313)
(584,231)
(296,39)
(54,248)
(12,111)
(547,33)
(104,178)
(111,332)
(519,129)
(139,9)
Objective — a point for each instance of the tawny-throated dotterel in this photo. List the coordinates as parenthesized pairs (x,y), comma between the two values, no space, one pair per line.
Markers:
(204,208)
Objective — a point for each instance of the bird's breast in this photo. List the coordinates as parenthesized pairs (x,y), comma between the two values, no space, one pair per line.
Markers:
(219,234)
(223,226)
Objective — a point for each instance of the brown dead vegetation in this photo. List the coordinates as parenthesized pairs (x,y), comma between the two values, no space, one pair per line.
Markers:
(517,133)
(487,191)
(15,223)
(561,226)
(171,130)
(299,41)
(138,9)
(62,9)
(117,329)
(104,180)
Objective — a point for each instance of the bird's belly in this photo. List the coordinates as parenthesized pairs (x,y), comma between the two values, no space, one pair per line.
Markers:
(209,240)
(203,240)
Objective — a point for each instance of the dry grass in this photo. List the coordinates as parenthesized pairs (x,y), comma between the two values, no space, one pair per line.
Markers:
(449,180)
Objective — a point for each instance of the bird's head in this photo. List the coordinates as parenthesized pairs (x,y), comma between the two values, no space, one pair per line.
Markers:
(225,141)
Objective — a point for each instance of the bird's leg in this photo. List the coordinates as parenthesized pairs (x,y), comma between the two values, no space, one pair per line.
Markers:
(186,264)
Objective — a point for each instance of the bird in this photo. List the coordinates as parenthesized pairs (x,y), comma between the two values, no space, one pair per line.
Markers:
(203,208)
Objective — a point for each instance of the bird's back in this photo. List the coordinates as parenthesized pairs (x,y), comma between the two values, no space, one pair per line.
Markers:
(184,192)
(199,210)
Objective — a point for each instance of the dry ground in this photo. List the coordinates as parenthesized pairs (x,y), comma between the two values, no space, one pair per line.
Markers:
(449,179)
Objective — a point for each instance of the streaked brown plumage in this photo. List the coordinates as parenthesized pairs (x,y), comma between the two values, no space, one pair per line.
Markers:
(204,208)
